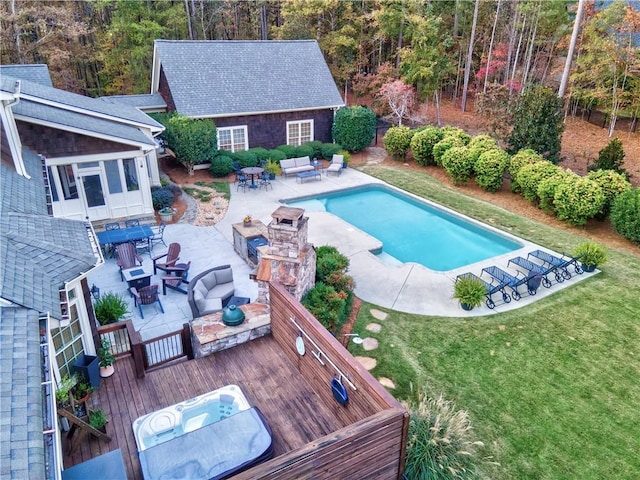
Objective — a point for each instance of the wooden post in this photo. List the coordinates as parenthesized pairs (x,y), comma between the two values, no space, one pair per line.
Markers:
(187,346)
(77,422)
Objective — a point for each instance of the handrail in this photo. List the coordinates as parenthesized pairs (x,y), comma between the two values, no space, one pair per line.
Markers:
(319,354)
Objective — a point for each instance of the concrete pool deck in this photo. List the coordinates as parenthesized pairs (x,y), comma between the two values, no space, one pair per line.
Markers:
(408,287)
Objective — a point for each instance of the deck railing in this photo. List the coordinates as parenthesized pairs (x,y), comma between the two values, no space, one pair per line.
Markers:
(148,354)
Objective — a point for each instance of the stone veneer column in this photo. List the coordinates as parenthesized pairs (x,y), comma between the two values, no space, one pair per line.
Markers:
(288,258)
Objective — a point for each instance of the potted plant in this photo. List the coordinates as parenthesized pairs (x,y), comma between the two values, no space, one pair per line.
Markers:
(346,157)
(106,359)
(110,308)
(469,291)
(246,221)
(98,420)
(81,391)
(63,391)
(591,254)
(166,214)
(272,168)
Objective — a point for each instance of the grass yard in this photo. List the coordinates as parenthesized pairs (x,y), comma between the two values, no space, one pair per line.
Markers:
(553,389)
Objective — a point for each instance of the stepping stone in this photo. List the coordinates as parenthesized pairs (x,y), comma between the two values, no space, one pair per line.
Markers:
(374,327)
(370,343)
(378,315)
(367,362)
(386,382)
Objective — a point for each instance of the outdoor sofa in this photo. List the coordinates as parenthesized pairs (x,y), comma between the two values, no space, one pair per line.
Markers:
(210,290)
(292,166)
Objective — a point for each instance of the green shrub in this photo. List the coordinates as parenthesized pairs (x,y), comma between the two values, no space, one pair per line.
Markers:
(161,198)
(193,141)
(439,443)
(480,144)
(577,199)
(329,261)
(305,151)
(397,141)
(519,160)
(625,215)
(469,291)
(458,163)
(245,158)
(445,144)
(354,128)
(288,150)
(330,149)
(422,144)
(612,184)
(547,189)
(259,152)
(530,176)
(591,253)
(327,305)
(611,157)
(451,131)
(317,148)
(276,155)
(110,308)
(489,168)
(221,166)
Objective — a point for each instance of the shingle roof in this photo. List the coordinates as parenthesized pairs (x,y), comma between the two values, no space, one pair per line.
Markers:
(37,73)
(147,100)
(75,120)
(226,78)
(119,112)
(21,440)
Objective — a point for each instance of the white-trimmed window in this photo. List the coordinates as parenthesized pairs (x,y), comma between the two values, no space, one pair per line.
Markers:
(68,340)
(233,139)
(299,132)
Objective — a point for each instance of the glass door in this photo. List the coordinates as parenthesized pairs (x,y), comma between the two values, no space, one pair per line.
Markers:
(95,202)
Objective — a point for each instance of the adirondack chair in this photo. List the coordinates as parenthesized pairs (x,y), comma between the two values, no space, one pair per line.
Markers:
(170,258)
(146,296)
(177,278)
(127,257)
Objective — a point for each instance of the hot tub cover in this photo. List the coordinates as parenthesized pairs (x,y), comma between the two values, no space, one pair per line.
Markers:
(216,451)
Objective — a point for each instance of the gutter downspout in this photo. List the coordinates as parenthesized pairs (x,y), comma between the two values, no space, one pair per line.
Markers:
(12,132)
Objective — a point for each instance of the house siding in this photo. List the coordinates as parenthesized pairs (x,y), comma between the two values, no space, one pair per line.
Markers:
(270,130)
(52,143)
(165,91)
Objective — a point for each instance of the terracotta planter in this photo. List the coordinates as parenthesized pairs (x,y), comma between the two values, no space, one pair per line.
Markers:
(107,371)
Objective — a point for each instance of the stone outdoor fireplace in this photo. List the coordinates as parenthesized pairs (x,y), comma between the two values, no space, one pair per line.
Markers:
(288,258)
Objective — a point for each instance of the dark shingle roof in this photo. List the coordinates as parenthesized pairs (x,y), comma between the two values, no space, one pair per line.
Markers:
(36,73)
(44,94)
(21,440)
(144,101)
(226,78)
(60,116)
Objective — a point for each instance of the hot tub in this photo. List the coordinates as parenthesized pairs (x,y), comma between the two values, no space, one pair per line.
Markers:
(212,436)
(171,422)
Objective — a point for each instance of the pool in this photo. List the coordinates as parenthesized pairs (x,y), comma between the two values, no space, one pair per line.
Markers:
(410,229)
(179,419)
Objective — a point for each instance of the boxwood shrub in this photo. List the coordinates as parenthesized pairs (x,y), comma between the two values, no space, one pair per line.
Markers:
(161,197)
(422,144)
(305,151)
(458,163)
(259,152)
(317,148)
(480,144)
(625,215)
(613,184)
(445,144)
(330,149)
(577,199)
(547,189)
(276,155)
(489,168)
(397,141)
(221,166)
(354,128)
(519,160)
(449,130)
(288,150)
(530,176)
(246,158)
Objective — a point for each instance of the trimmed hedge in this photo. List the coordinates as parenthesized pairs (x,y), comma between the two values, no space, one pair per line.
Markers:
(445,144)
(458,163)
(288,150)
(547,189)
(519,160)
(422,144)
(625,215)
(305,151)
(480,144)
(276,155)
(577,199)
(246,158)
(221,166)
(612,184)
(354,128)
(259,152)
(451,131)
(530,176)
(397,141)
(489,168)
(330,149)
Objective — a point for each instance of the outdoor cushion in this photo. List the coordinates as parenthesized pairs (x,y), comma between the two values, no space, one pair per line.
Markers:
(211,305)
(290,166)
(224,276)
(222,291)
(209,280)
(208,291)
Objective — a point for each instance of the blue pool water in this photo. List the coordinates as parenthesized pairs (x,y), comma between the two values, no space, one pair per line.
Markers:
(410,230)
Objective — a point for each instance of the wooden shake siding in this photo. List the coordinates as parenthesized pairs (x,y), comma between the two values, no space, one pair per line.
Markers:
(270,130)
(372,444)
(165,91)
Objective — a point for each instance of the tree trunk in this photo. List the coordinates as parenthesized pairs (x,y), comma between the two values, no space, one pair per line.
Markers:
(493,33)
(467,67)
(572,47)
(512,42)
(515,60)
(263,22)
(188,12)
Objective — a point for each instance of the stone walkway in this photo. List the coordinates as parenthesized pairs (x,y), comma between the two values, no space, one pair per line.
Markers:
(369,343)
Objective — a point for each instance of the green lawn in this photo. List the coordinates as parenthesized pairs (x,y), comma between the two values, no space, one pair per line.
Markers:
(553,389)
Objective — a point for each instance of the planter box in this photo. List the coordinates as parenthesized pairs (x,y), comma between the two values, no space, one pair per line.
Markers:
(88,366)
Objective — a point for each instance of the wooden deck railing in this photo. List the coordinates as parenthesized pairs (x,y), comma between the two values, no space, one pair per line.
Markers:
(148,354)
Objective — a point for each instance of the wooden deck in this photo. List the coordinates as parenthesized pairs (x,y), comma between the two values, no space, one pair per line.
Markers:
(267,378)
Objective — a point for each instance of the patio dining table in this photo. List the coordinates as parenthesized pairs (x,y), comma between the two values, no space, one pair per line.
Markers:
(124,235)
(253,171)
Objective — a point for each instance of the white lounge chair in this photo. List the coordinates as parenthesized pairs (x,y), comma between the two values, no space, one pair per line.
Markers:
(336,164)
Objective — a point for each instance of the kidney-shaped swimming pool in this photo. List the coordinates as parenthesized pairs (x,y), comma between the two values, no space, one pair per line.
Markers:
(412,230)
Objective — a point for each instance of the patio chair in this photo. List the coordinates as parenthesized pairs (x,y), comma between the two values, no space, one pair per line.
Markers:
(170,258)
(158,235)
(558,263)
(336,164)
(535,268)
(112,226)
(134,222)
(127,257)
(264,181)
(146,296)
(177,278)
(490,289)
(513,281)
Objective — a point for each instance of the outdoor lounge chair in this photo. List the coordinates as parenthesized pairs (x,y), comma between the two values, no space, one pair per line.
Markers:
(533,268)
(176,279)
(170,258)
(158,235)
(146,296)
(558,263)
(532,281)
(490,289)
(336,164)
(127,257)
